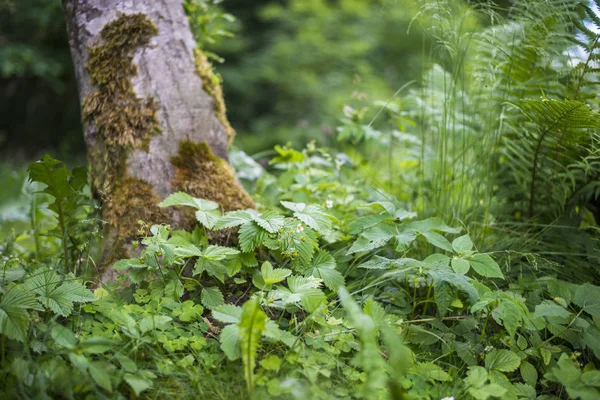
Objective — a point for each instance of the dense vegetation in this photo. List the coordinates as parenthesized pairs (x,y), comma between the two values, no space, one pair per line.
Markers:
(446,247)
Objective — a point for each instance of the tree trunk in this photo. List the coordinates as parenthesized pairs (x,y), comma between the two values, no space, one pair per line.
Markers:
(153,114)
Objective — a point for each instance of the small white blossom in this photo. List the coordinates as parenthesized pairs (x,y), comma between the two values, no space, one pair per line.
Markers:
(329,204)
(299,228)
(488,348)
(448,398)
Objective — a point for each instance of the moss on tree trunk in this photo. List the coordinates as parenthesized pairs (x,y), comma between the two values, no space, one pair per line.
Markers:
(153,113)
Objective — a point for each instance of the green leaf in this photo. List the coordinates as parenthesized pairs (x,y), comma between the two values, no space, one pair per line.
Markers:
(442,294)
(271,276)
(137,383)
(184,199)
(323,267)
(437,240)
(373,238)
(251,326)
(502,360)
(404,239)
(97,345)
(227,313)
(100,375)
(432,224)
(188,311)
(230,341)
(485,266)
(550,309)
(462,244)
(269,221)
(233,219)
(271,363)
(208,218)
(529,373)
(63,336)
(13,315)
(587,296)
(460,266)
(251,236)
(305,291)
(56,296)
(212,297)
(219,253)
(368,221)
(312,215)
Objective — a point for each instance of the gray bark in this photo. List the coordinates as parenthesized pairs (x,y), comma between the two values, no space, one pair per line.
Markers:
(166,72)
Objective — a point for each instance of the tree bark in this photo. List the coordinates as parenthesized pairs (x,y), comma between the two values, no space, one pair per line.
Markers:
(153,113)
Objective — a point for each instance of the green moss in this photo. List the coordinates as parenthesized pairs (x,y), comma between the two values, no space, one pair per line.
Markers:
(118,115)
(202,174)
(132,200)
(211,83)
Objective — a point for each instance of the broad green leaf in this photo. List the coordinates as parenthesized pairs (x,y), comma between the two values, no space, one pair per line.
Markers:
(233,219)
(271,276)
(323,267)
(373,238)
(443,296)
(460,266)
(229,339)
(14,318)
(550,309)
(251,236)
(432,371)
(219,253)
(63,336)
(100,375)
(212,297)
(461,282)
(529,373)
(437,240)
(462,244)
(404,239)
(208,218)
(271,363)
(137,383)
(485,266)
(486,391)
(188,311)
(10,275)
(431,224)
(184,199)
(227,313)
(154,322)
(502,360)
(56,296)
(368,221)
(587,297)
(312,215)
(269,221)
(97,345)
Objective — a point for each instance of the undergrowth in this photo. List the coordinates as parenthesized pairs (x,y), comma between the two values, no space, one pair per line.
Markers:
(450,251)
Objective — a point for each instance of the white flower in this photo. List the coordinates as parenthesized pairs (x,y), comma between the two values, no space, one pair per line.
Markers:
(448,398)
(329,204)
(488,348)
(299,228)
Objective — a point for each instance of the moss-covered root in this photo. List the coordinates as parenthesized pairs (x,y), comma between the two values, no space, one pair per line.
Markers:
(132,200)
(211,83)
(119,116)
(202,174)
